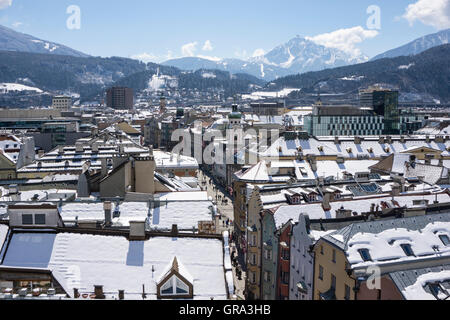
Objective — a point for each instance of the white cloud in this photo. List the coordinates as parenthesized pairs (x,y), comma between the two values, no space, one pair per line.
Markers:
(189,49)
(17,24)
(345,39)
(258,53)
(207,46)
(434,13)
(5,4)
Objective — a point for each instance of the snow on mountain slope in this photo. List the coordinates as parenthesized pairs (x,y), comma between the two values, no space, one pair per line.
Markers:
(11,40)
(298,55)
(15,87)
(418,46)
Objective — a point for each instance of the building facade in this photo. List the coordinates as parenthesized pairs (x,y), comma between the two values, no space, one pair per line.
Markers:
(120,98)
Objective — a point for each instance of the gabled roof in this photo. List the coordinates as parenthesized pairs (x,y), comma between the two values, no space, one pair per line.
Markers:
(176,268)
(256,173)
(421,149)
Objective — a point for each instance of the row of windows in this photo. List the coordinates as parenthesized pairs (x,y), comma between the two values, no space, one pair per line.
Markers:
(27,219)
(347,289)
(357,126)
(344,119)
(407,249)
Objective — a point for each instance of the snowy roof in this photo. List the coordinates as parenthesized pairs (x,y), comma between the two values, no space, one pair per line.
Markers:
(184,196)
(415,284)
(332,168)
(384,239)
(83,261)
(185,215)
(42,195)
(170,160)
(315,211)
(256,173)
(369,147)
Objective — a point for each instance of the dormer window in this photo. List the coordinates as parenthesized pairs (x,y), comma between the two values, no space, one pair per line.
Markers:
(408,250)
(365,254)
(176,283)
(445,240)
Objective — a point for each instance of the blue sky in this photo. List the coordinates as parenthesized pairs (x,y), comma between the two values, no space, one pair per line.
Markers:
(157,30)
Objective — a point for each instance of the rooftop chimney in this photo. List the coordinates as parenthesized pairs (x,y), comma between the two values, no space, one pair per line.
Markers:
(174,229)
(121,294)
(79,147)
(98,291)
(104,171)
(107,206)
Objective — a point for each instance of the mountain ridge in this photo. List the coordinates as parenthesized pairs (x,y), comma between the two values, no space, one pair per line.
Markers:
(298,55)
(425,73)
(11,40)
(418,45)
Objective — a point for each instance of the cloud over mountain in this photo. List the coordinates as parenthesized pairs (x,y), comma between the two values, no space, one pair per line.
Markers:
(435,13)
(345,39)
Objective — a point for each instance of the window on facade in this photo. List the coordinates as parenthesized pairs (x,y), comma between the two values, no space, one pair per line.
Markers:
(254,259)
(445,240)
(333,281)
(320,272)
(365,255)
(285,254)
(267,276)
(27,219)
(173,287)
(347,292)
(334,256)
(285,277)
(408,250)
(39,219)
(321,250)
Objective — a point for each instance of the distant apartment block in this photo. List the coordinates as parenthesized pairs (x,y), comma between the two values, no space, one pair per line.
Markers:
(61,103)
(269,108)
(120,98)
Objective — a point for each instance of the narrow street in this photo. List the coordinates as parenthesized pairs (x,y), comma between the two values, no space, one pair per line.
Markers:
(226,213)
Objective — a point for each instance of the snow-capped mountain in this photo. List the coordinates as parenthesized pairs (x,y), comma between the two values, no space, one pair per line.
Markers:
(11,40)
(298,55)
(418,46)
(301,55)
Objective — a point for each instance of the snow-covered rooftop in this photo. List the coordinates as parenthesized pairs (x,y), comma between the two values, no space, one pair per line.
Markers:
(83,261)
(185,215)
(315,210)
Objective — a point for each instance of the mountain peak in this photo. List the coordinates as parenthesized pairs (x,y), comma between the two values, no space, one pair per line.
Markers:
(11,40)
